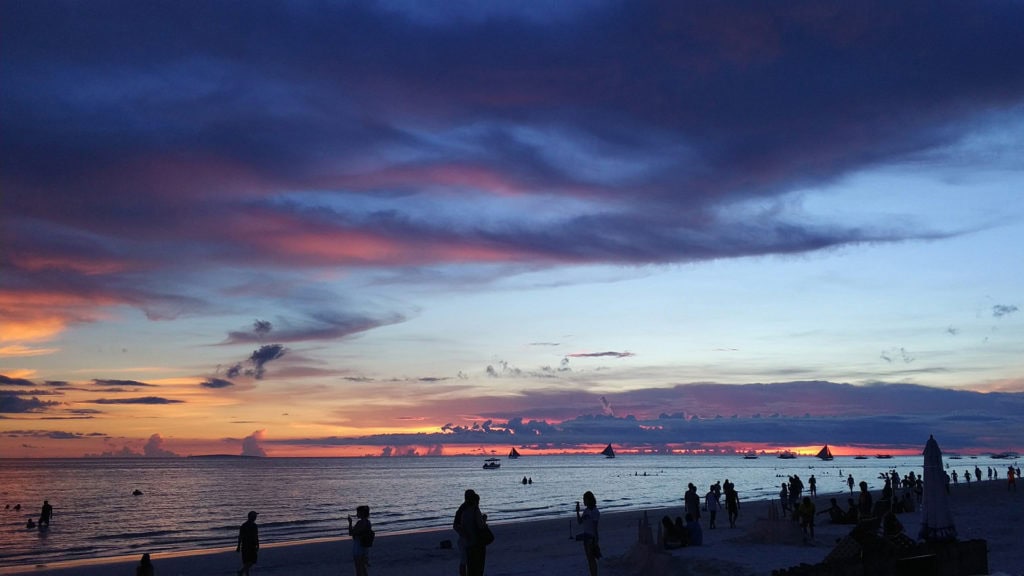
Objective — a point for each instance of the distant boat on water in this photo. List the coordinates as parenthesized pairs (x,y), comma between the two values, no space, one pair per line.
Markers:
(1006,456)
(751,455)
(860,457)
(492,464)
(824,453)
(608,452)
(513,454)
(883,456)
(787,455)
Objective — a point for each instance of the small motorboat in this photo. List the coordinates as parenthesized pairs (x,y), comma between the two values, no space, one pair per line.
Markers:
(492,464)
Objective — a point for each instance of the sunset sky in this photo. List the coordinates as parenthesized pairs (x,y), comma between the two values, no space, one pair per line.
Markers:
(299,228)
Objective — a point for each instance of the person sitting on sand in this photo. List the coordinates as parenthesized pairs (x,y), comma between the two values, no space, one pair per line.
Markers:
(851,511)
(695,534)
(671,536)
(145,567)
(836,514)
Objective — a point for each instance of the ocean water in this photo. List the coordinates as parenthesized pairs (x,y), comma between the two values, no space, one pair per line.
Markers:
(198,503)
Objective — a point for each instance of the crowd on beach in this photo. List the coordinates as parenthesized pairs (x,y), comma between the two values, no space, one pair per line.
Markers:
(797,502)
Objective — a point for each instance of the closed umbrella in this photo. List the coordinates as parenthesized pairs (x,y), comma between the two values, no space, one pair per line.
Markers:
(936,518)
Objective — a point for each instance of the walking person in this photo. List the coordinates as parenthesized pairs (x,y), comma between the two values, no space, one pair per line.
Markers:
(248,543)
(712,504)
(588,520)
(732,504)
(362,540)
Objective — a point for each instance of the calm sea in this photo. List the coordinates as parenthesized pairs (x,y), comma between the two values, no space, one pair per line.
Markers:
(196,503)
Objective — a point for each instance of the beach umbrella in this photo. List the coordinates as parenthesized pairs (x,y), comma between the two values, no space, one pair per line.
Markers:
(936,518)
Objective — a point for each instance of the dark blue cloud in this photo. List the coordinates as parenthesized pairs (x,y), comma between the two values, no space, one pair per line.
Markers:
(139,400)
(10,404)
(216,383)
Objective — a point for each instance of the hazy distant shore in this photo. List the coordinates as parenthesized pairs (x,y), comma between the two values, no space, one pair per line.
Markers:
(984,510)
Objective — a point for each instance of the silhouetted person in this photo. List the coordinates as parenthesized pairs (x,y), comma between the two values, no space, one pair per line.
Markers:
(362,540)
(588,521)
(45,515)
(673,536)
(30,524)
(474,527)
(248,543)
(1011,479)
(836,515)
(691,501)
(712,504)
(468,501)
(864,502)
(784,497)
(849,482)
(695,532)
(145,567)
(806,512)
(812,483)
(732,503)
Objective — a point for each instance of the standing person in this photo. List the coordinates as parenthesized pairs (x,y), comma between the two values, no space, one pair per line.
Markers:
(712,504)
(145,567)
(813,484)
(691,502)
(806,512)
(864,502)
(45,514)
(362,539)
(1011,479)
(588,520)
(478,536)
(732,504)
(248,543)
(849,482)
(469,498)
(784,497)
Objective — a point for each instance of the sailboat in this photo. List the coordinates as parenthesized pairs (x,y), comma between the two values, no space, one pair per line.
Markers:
(608,452)
(825,453)
(513,454)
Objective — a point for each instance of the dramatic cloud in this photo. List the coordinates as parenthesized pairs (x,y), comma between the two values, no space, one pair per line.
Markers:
(655,103)
(786,414)
(251,444)
(154,448)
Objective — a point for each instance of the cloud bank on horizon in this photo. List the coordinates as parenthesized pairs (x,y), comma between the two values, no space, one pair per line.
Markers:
(353,213)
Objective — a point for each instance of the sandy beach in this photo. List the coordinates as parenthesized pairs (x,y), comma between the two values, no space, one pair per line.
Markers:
(755,547)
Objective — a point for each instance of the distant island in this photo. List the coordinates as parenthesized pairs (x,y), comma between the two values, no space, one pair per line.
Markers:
(225,456)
